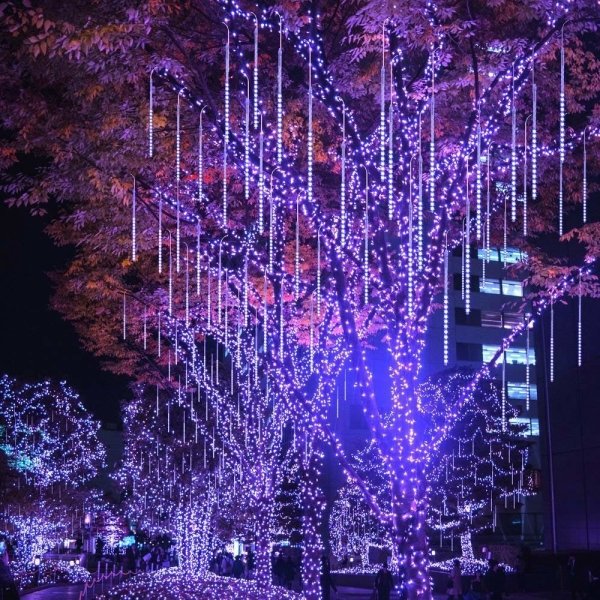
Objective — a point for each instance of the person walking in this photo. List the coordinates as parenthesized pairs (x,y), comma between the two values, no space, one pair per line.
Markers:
(8,588)
(494,581)
(384,582)
(456,591)
(326,580)
(238,567)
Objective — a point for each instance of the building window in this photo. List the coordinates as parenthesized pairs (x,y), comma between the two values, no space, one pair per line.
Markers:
(496,318)
(462,318)
(513,255)
(505,287)
(531,426)
(514,356)
(469,352)
(491,286)
(517,390)
(458,282)
(512,288)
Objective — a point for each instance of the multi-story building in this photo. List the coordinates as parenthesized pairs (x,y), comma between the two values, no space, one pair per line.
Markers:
(474,338)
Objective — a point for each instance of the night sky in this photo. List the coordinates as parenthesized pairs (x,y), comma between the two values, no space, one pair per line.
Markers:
(36,341)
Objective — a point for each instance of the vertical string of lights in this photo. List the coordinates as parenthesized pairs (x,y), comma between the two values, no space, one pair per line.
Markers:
(534,148)
(187,285)
(446,303)
(261,177)
(226,135)
(280,94)
(488,199)
(467,260)
(391,146)
(525,178)
(579,325)
(551,340)
(527,373)
(382,165)
(343,179)
(247,141)
(297,251)
(151,117)
(561,132)
(319,272)
(366,255)
(124,316)
(201,158)
(584,190)
(478,190)
(410,250)
(198,258)
(503,389)
(309,137)
(420,202)
(133,224)
(432,137)
(255,72)
(177,180)
(170,277)
(513,151)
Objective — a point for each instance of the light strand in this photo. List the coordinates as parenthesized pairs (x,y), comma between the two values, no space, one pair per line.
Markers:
(561,133)
(255,73)
(151,117)
(467,281)
(584,191)
(390,181)
(478,189)
(551,340)
(366,255)
(513,151)
(280,94)
(226,135)
(432,137)
(446,305)
(309,137)
(133,224)
(579,325)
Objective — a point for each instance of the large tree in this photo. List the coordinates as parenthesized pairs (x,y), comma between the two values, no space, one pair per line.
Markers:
(328,232)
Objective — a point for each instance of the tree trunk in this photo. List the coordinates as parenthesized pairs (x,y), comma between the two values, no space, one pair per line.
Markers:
(466,545)
(411,543)
(263,569)
(313,506)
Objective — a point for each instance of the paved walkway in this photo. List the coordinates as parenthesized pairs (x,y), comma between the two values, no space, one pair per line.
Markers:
(59,592)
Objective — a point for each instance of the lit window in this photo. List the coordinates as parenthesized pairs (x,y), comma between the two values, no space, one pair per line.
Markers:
(531,426)
(514,356)
(513,255)
(518,391)
(512,288)
(490,286)
(495,318)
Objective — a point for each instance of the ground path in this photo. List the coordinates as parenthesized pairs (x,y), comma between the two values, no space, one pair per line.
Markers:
(59,592)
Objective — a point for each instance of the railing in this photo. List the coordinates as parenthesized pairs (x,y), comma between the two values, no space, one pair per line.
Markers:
(101,583)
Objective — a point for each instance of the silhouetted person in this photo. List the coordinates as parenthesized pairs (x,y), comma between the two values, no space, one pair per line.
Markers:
(384,582)
(476,589)
(238,567)
(456,590)
(279,570)
(574,577)
(8,588)
(289,572)
(494,580)
(326,580)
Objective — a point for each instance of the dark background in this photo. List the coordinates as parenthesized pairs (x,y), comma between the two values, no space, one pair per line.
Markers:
(36,342)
